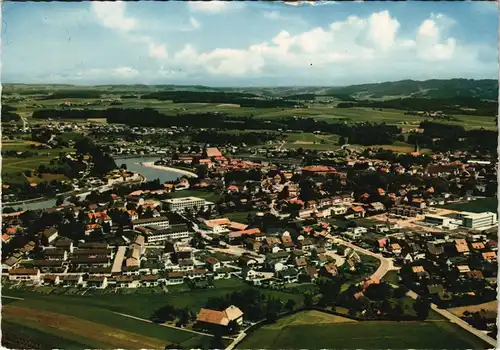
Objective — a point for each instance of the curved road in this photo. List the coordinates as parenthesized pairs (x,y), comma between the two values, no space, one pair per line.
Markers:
(387,265)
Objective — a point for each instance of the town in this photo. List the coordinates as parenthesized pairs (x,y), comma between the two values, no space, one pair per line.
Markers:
(273,227)
(249,175)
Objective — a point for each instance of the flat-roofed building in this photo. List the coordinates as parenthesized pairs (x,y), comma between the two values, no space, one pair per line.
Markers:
(439,220)
(161,222)
(174,232)
(183,203)
(118,262)
(477,220)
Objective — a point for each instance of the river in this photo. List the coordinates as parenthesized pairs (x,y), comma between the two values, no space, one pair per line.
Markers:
(133,164)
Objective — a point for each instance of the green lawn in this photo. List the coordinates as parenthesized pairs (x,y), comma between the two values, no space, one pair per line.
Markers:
(391,277)
(476,206)
(140,305)
(363,335)
(101,309)
(239,216)
(96,311)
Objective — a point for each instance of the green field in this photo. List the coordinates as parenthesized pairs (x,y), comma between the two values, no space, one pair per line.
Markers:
(294,333)
(61,310)
(323,112)
(46,340)
(239,216)
(476,206)
(140,305)
(94,310)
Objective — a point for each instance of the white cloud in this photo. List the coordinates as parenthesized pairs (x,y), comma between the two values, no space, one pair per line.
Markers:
(214,6)
(112,15)
(383,29)
(157,50)
(125,72)
(194,23)
(373,40)
(430,43)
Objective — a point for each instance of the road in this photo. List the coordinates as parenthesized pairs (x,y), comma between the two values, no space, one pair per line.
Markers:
(386,264)
(454,319)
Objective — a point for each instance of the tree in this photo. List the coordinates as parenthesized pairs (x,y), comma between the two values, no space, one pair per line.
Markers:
(59,200)
(202,171)
(163,314)
(314,255)
(386,306)
(284,194)
(397,311)
(379,291)
(183,317)
(308,300)
(400,292)
(290,305)
(422,306)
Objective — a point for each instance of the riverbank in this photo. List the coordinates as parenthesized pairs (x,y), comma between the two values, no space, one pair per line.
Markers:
(166,168)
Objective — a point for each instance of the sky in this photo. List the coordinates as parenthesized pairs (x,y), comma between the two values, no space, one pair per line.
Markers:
(247,43)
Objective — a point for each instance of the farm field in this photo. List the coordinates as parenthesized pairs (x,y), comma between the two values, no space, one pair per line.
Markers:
(98,327)
(322,112)
(140,305)
(21,335)
(305,332)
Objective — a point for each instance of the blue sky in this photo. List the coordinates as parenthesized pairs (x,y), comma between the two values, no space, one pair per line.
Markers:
(253,44)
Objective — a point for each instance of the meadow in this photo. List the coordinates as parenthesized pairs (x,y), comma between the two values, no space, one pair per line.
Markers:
(306,330)
(82,315)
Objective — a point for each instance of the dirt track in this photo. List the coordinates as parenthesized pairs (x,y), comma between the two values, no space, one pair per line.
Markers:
(63,324)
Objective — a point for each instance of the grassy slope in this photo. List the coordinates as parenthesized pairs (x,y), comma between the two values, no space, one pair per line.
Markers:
(140,305)
(45,339)
(363,335)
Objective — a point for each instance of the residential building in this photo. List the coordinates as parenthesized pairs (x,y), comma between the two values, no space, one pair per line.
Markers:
(50,235)
(21,274)
(160,222)
(174,232)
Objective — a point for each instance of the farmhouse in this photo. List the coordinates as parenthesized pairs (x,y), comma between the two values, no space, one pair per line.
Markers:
(226,319)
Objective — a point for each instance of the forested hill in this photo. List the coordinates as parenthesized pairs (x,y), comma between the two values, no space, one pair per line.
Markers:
(486,89)
(483,89)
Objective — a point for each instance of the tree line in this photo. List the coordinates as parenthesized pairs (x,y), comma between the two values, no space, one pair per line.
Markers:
(242,99)
(452,105)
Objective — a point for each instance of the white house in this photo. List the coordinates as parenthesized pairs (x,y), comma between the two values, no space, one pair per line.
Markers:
(21,274)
